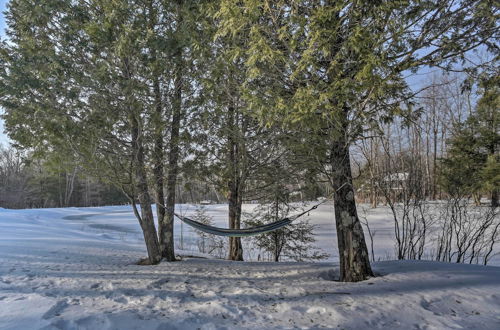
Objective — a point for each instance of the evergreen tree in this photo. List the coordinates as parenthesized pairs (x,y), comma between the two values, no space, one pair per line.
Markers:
(472,164)
(201,216)
(488,126)
(73,80)
(332,69)
(232,147)
(294,241)
(208,243)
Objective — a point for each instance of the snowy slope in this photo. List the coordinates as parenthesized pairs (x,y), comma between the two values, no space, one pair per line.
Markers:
(74,269)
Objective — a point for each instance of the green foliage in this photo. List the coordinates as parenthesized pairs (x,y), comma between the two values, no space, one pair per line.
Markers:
(490,173)
(208,243)
(341,64)
(75,75)
(460,171)
(294,241)
(472,165)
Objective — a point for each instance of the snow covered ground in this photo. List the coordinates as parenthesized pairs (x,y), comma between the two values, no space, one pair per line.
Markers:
(74,268)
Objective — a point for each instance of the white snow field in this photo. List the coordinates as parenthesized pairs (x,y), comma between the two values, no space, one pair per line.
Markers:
(75,268)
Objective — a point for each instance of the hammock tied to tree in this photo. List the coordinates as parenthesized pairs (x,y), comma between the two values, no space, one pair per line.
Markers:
(245,231)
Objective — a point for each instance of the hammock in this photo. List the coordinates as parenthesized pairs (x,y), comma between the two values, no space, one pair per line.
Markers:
(246,231)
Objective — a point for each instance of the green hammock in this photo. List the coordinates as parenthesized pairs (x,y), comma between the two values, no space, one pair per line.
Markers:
(246,231)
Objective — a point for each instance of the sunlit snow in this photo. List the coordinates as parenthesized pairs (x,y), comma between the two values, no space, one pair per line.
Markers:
(74,268)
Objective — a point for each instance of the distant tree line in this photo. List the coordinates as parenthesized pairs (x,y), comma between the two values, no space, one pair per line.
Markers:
(30,182)
(449,147)
(26,182)
(447,152)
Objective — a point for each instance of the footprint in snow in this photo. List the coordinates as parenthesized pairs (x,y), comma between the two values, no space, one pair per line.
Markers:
(428,305)
(157,284)
(121,300)
(55,310)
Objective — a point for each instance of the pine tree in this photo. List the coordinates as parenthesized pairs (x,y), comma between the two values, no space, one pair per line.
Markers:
(488,126)
(75,82)
(231,143)
(294,241)
(208,243)
(472,162)
(332,69)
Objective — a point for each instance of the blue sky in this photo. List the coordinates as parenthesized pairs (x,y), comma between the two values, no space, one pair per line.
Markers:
(3,138)
(2,20)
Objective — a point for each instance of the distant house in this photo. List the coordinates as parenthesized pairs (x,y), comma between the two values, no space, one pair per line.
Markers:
(395,181)
(393,184)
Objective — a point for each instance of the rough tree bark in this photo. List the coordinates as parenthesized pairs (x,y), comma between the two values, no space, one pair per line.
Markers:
(494,192)
(146,218)
(167,223)
(235,247)
(494,198)
(233,185)
(159,131)
(278,246)
(140,188)
(353,252)
(158,168)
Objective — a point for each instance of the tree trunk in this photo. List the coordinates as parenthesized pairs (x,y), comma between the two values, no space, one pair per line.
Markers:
(165,240)
(148,227)
(494,198)
(234,201)
(167,226)
(159,131)
(146,218)
(235,247)
(70,184)
(276,235)
(494,191)
(477,198)
(353,253)
(434,167)
(233,184)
